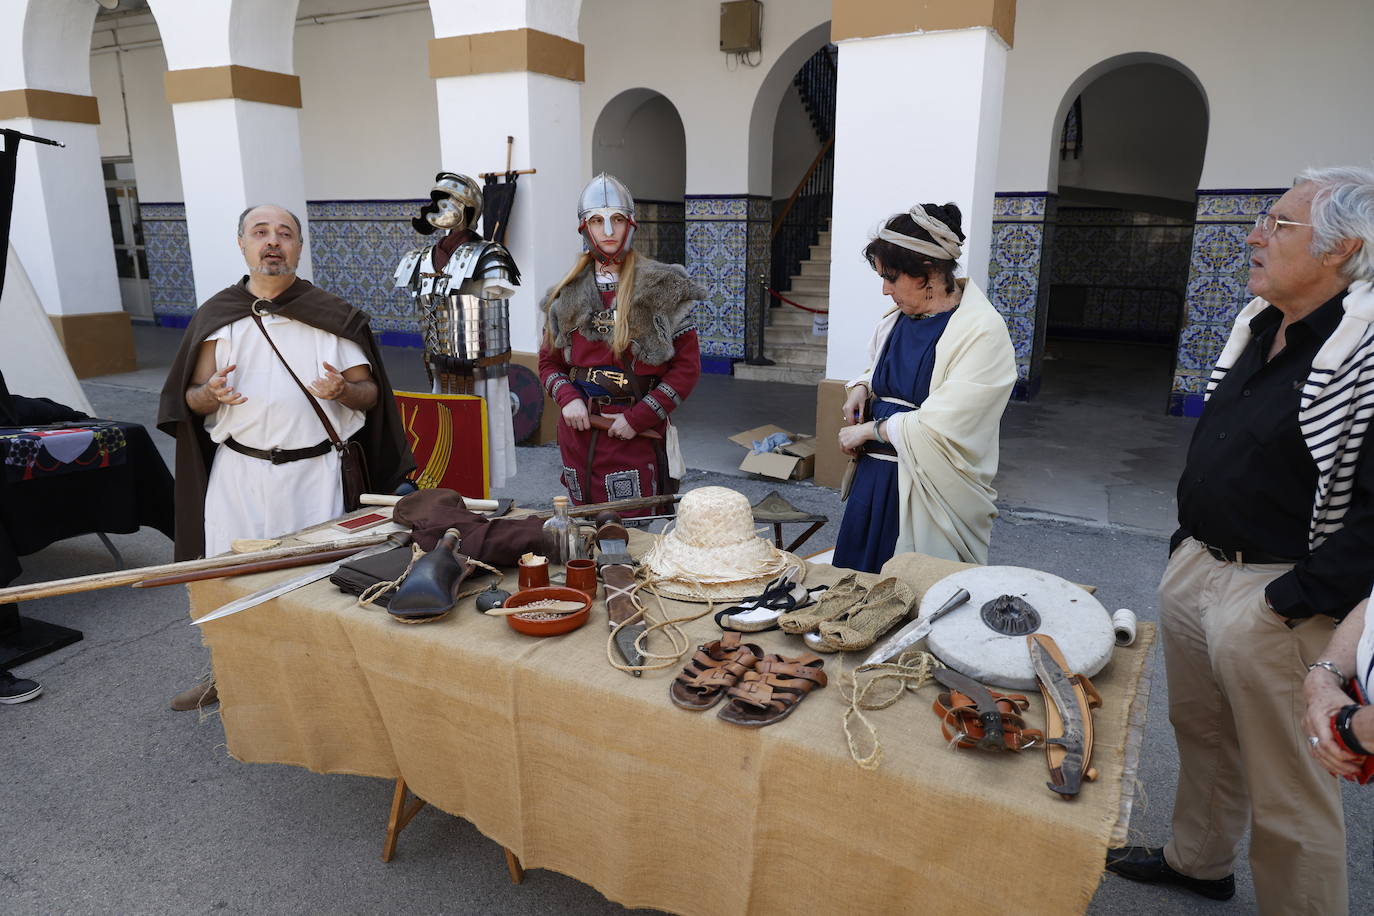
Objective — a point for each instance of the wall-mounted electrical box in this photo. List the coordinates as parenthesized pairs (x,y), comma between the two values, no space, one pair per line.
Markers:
(741,25)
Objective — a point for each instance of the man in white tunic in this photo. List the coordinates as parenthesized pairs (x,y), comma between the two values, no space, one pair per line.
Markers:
(253,458)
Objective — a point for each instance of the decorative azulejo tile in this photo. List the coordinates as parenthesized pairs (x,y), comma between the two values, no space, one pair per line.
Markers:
(1020,233)
(726,249)
(1216,289)
(171,285)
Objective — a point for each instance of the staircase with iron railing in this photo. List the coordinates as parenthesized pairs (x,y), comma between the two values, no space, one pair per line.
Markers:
(781,343)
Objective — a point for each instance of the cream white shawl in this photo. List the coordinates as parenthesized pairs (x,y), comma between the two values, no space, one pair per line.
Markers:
(947,449)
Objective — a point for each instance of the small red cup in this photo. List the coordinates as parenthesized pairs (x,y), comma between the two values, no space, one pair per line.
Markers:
(581,575)
(534,575)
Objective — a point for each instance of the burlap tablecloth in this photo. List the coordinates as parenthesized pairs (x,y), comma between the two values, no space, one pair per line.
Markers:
(580,768)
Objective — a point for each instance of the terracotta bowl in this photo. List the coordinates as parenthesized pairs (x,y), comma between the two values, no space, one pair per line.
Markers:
(564,624)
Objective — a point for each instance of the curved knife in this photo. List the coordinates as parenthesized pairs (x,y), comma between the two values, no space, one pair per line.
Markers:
(989,715)
(1067,777)
(915,631)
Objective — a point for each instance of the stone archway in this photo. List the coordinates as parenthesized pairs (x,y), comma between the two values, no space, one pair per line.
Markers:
(639,138)
(1094,274)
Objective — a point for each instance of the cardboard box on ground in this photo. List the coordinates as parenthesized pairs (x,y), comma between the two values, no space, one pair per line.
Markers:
(793,462)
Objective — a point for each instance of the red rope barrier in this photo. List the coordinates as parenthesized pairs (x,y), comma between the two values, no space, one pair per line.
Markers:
(781,298)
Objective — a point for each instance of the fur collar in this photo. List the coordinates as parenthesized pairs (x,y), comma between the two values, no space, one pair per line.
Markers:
(663,307)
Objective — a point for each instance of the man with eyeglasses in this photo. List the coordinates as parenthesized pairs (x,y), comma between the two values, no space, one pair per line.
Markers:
(1275,546)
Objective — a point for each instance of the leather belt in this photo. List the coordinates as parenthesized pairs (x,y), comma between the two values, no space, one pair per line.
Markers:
(603,401)
(878,448)
(280,455)
(1242,557)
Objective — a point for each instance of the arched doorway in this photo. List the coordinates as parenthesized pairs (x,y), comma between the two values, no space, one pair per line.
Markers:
(1130,144)
(639,138)
(796,107)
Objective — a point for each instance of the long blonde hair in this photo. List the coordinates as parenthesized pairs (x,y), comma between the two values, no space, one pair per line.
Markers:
(624,291)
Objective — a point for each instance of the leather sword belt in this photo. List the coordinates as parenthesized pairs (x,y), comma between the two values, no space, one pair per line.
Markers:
(604,401)
(1226,555)
(280,455)
(878,448)
(616,382)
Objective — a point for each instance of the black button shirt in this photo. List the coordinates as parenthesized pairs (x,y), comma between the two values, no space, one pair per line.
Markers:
(1250,482)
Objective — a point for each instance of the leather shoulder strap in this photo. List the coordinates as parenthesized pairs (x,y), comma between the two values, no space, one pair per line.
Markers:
(319,411)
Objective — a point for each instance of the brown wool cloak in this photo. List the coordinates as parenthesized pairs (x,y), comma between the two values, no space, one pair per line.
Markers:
(389,460)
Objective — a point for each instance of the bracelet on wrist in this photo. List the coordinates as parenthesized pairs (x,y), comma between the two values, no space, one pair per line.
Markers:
(1341,725)
(876,434)
(1326,665)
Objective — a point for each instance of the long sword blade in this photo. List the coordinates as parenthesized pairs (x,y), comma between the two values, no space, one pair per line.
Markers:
(289,585)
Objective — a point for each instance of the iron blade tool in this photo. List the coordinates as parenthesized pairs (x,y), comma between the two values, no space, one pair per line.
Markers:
(989,715)
(295,582)
(915,631)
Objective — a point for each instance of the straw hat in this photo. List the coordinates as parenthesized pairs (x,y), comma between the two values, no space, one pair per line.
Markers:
(712,551)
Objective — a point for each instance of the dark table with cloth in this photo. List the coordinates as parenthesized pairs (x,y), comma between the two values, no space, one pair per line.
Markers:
(115,485)
(65,479)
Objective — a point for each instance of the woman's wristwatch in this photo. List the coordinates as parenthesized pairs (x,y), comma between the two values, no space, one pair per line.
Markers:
(1341,725)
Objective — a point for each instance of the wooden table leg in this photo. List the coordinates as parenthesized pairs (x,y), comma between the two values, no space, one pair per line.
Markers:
(400,816)
(517,871)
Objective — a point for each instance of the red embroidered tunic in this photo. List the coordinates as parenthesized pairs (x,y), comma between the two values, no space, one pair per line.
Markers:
(596,467)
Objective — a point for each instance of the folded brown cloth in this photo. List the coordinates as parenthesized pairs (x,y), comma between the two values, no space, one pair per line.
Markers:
(497,541)
(356,576)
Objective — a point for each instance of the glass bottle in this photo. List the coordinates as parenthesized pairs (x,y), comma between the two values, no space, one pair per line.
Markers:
(562,541)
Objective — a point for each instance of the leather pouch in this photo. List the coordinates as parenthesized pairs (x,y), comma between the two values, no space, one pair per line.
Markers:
(356,576)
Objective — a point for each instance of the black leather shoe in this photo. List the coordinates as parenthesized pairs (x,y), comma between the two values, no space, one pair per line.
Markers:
(1146,863)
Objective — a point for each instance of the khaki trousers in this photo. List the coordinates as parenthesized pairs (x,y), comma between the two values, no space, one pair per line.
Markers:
(1235,673)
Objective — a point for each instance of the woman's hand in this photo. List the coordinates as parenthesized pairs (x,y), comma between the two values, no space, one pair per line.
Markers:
(853,437)
(575,415)
(854,404)
(621,428)
(1324,700)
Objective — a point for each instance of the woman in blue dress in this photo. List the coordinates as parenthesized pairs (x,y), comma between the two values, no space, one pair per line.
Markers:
(922,424)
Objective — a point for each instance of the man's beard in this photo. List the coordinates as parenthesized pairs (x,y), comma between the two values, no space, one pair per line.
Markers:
(274,268)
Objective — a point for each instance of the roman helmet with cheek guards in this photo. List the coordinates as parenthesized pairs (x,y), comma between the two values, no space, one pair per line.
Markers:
(605,196)
(455,203)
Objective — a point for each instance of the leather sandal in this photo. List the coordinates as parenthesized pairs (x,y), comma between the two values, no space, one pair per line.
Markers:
(774,688)
(716,666)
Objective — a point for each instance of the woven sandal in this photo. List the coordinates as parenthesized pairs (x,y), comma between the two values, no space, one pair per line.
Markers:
(774,688)
(716,666)
(841,597)
(859,627)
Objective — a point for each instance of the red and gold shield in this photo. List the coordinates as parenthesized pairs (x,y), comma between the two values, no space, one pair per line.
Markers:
(448,435)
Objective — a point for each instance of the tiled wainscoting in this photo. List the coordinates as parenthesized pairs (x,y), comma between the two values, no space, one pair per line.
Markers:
(1218,271)
(727,250)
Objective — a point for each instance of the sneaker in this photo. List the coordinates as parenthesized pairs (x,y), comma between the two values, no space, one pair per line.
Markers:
(17,689)
(203,694)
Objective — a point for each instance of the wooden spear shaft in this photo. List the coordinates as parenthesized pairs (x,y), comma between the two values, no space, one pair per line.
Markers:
(130,576)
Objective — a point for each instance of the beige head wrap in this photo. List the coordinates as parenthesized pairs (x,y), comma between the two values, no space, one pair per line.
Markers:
(946,247)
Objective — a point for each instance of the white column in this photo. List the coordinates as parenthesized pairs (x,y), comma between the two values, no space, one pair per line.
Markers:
(234,153)
(60,228)
(543,113)
(918,118)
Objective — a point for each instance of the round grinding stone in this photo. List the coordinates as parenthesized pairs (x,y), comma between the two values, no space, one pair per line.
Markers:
(962,640)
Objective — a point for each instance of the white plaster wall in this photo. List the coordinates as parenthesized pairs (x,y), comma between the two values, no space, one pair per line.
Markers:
(887,157)
(673,47)
(648,153)
(795,144)
(1286,86)
(109,95)
(369,128)
(1147,132)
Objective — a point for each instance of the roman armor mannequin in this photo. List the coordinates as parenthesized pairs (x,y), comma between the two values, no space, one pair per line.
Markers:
(462,285)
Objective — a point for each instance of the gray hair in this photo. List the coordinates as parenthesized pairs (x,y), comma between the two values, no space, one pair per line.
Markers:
(244,215)
(1343,208)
